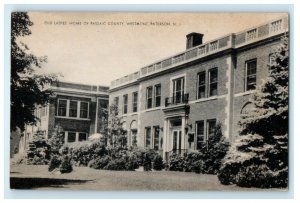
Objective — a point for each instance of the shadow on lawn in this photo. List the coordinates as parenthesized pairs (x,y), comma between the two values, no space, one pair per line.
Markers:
(31,183)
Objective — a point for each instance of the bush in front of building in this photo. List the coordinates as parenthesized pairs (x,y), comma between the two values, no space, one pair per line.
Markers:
(54,162)
(99,162)
(193,162)
(177,163)
(81,153)
(214,152)
(66,165)
(158,163)
(38,152)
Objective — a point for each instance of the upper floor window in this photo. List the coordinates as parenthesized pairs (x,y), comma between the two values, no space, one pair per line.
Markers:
(134,101)
(149,94)
(116,101)
(73,109)
(178,90)
(201,85)
(62,107)
(84,106)
(250,79)
(125,103)
(157,95)
(213,82)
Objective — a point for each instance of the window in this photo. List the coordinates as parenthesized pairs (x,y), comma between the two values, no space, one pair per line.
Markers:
(125,103)
(149,97)
(157,95)
(134,101)
(82,137)
(62,108)
(84,106)
(148,137)
(213,82)
(71,137)
(201,85)
(156,137)
(116,101)
(73,109)
(211,128)
(250,83)
(200,134)
(178,90)
(272,61)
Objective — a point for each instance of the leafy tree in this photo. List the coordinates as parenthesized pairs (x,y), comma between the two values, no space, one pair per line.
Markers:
(117,135)
(259,157)
(27,88)
(57,140)
(214,151)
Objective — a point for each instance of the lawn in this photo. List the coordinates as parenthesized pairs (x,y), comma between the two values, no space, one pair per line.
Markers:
(84,178)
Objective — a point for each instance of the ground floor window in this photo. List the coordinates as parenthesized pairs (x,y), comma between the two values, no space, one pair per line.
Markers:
(203,135)
(148,137)
(156,137)
(75,136)
(71,137)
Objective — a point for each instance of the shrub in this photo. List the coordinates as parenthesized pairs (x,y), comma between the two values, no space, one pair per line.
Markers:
(65,166)
(83,152)
(38,152)
(132,161)
(100,162)
(54,163)
(57,140)
(158,163)
(176,163)
(116,165)
(194,162)
(228,172)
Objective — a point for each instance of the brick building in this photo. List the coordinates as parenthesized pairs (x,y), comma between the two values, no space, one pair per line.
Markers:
(173,104)
(74,108)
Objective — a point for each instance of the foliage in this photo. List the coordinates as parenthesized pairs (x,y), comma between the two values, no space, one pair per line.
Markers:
(82,153)
(213,154)
(65,166)
(193,162)
(27,88)
(57,140)
(117,135)
(176,163)
(38,152)
(158,163)
(99,162)
(54,162)
(261,152)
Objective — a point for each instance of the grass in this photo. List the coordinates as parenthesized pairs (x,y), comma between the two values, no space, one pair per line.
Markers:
(84,178)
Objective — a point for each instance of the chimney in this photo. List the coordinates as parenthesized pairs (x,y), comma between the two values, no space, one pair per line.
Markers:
(193,39)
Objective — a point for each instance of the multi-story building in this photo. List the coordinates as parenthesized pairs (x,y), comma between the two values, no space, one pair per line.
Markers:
(174,104)
(73,108)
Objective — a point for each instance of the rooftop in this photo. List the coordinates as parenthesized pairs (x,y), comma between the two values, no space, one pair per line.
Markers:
(233,40)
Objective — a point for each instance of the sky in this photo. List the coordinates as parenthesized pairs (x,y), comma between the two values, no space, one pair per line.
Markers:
(96,48)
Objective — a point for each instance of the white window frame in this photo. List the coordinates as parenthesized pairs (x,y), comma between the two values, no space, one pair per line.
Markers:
(76,136)
(246,74)
(88,109)
(209,83)
(68,109)
(155,95)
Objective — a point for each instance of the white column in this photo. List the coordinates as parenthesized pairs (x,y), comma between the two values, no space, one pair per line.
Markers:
(77,137)
(183,133)
(165,141)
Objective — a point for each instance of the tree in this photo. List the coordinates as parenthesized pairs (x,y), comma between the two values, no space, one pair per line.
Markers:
(57,140)
(27,88)
(117,135)
(259,157)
